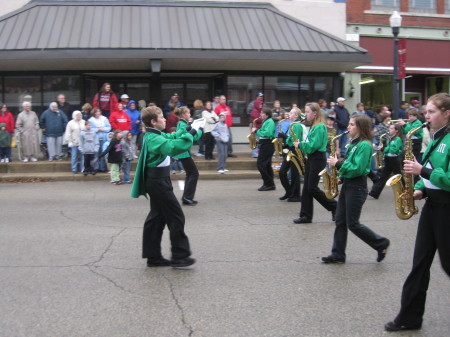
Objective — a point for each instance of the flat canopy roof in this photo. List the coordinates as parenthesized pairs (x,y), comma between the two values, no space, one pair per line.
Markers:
(105,35)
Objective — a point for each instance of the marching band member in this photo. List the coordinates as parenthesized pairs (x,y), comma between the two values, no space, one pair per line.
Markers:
(266,133)
(292,188)
(392,159)
(184,114)
(433,232)
(353,172)
(315,147)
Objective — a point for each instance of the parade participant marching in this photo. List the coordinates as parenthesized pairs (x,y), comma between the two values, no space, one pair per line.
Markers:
(292,187)
(392,159)
(315,147)
(190,183)
(264,162)
(433,232)
(414,122)
(353,172)
(153,178)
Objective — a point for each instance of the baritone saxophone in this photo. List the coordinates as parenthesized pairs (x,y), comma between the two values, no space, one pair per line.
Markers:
(297,158)
(252,136)
(330,177)
(404,193)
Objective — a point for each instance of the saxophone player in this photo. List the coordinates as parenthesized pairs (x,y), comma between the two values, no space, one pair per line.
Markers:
(433,231)
(264,162)
(314,146)
(292,187)
(353,172)
(392,159)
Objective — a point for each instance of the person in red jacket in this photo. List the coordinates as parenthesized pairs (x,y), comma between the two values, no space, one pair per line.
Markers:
(106,100)
(119,119)
(225,109)
(7,118)
(172,119)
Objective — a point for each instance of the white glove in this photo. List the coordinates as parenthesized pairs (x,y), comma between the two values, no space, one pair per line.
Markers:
(198,123)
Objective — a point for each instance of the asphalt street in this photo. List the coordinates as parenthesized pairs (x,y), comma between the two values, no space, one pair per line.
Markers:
(70,265)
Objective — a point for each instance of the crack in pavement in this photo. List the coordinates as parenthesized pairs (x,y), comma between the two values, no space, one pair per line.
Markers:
(180,308)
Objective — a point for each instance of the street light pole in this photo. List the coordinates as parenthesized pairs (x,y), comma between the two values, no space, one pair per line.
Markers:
(395,22)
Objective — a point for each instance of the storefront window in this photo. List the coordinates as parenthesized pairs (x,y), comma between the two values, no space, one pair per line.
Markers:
(376,91)
(241,91)
(23,88)
(282,88)
(69,86)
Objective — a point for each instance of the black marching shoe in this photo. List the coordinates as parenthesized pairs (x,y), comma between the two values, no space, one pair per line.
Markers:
(302,219)
(266,188)
(392,326)
(180,263)
(294,199)
(382,252)
(332,259)
(161,262)
(284,197)
(189,202)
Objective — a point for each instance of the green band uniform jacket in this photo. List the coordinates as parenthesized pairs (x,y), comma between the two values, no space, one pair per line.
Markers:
(317,140)
(298,130)
(357,161)
(395,146)
(156,146)
(409,126)
(267,129)
(181,127)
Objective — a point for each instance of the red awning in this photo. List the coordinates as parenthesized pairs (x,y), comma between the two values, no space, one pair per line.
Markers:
(422,56)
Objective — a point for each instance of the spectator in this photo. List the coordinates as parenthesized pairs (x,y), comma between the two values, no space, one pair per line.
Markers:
(220,133)
(198,110)
(114,151)
(64,106)
(73,130)
(361,111)
(382,128)
(172,119)
(223,107)
(106,100)
(402,111)
(119,119)
(127,157)
(86,110)
(255,114)
(173,100)
(5,143)
(216,102)
(210,122)
(135,117)
(7,118)
(342,119)
(53,123)
(100,124)
(125,99)
(415,104)
(323,107)
(89,147)
(277,111)
(27,125)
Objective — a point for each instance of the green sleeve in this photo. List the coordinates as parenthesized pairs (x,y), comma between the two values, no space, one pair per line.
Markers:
(358,161)
(409,126)
(298,130)
(317,140)
(267,129)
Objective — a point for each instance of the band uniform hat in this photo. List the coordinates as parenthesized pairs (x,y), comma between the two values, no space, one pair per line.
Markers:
(340,99)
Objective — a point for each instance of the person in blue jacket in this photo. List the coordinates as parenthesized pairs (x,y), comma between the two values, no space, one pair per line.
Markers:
(53,124)
(135,116)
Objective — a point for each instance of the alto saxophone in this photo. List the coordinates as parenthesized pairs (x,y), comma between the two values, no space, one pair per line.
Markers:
(278,142)
(252,136)
(330,178)
(297,158)
(403,194)
(378,155)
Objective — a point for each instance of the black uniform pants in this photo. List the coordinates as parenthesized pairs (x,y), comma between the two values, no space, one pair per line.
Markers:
(352,196)
(392,165)
(164,209)
(209,145)
(291,187)
(190,184)
(433,233)
(264,161)
(314,164)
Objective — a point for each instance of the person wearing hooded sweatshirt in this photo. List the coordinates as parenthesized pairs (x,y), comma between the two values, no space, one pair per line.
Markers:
(72,135)
(53,123)
(135,116)
(89,146)
(119,119)
(100,124)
